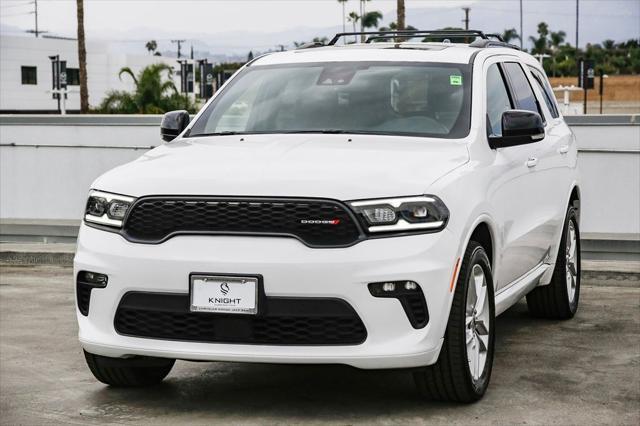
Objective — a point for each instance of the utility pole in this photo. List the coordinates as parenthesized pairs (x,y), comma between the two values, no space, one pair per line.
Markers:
(466,17)
(179,42)
(35,2)
(521,31)
(577,22)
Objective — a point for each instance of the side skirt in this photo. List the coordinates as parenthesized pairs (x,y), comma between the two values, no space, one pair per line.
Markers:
(509,295)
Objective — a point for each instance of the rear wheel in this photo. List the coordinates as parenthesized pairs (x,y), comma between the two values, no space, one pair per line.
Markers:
(128,372)
(559,299)
(463,369)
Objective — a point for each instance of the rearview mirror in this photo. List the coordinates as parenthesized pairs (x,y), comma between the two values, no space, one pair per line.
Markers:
(173,123)
(519,127)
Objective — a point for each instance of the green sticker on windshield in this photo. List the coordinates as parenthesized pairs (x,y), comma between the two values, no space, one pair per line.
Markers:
(455,80)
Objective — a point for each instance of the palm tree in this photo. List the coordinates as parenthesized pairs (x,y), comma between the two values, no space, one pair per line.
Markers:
(344,17)
(401,15)
(153,93)
(510,34)
(540,44)
(371,19)
(354,18)
(151,46)
(82,59)
(556,39)
(363,12)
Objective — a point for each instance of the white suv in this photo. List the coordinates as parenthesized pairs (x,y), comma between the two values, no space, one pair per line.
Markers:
(375,204)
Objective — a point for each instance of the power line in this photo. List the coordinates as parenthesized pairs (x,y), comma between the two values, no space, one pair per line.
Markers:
(9,6)
(17,14)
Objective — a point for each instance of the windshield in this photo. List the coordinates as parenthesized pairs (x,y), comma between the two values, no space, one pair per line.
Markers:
(409,98)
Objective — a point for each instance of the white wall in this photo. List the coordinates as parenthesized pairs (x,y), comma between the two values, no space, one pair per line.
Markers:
(103,66)
(50,181)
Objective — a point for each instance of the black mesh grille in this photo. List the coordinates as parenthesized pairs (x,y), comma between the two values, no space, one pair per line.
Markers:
(285,321)
(416,310)
(83,296)
(315,222)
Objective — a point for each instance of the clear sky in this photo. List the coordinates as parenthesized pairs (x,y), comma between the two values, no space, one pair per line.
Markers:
(235,19)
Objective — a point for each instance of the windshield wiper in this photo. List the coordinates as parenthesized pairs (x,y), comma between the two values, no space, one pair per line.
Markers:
(323,131)
(224,133)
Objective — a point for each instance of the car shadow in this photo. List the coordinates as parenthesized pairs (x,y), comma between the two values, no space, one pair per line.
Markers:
(241,392)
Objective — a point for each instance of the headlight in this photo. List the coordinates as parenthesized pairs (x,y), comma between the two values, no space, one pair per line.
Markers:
(107,209)
(405,214)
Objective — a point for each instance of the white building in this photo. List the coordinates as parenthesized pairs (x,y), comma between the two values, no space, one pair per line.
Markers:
(26,72)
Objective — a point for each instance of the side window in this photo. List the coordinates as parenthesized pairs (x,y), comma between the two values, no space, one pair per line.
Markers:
(498,100)
(521,89)
(549,98)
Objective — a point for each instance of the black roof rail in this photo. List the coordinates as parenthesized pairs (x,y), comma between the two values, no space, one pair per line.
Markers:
(376,35)
(311,44)
(496,36)
(492,43)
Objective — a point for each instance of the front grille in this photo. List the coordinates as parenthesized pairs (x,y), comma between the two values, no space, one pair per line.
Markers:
(317,223)
(282,321)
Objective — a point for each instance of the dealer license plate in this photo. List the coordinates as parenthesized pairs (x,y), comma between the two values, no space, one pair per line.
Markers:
(224,294)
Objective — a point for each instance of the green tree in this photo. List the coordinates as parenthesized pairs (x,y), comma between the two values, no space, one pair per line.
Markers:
(151,46)
(154,93)
(371,19)
(541,43)
(354,18)
(510,34)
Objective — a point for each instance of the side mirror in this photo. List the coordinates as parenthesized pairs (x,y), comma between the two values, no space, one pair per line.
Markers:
(173,123)
(518,128)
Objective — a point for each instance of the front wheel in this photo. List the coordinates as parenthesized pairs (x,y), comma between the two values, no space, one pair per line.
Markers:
(463,369)
(559,298)
(128,372)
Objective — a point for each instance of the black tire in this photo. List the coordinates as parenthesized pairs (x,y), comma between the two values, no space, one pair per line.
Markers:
(128,372)
(552,301)
(450,379)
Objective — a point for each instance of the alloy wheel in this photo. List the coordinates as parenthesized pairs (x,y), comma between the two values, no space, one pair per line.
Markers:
(477,322)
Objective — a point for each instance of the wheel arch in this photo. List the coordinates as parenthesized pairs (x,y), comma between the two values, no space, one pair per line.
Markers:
(575,199)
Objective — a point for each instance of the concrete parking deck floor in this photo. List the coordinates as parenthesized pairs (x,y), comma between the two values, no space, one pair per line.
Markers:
(583,371)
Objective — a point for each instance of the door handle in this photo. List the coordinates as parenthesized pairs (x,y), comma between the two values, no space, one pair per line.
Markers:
(563,149)
(532,162)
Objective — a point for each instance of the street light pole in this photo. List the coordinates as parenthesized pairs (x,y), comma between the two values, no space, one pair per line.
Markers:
(577,23)
(521,32)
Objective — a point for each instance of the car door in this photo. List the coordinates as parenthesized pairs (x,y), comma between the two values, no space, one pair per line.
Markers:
(556,158)
(514,191)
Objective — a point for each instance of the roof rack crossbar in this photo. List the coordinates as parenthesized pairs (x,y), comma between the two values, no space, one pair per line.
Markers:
(373,35)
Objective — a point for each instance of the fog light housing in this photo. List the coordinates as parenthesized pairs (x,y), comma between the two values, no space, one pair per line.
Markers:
(410,296)
(388,287)
(87,281)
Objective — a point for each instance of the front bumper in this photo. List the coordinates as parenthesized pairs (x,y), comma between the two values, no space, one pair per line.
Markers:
(289,269)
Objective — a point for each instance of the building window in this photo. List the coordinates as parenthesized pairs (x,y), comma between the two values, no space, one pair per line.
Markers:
(29,75)
(73,77)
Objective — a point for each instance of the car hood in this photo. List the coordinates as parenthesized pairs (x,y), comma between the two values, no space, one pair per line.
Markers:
(292,165)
